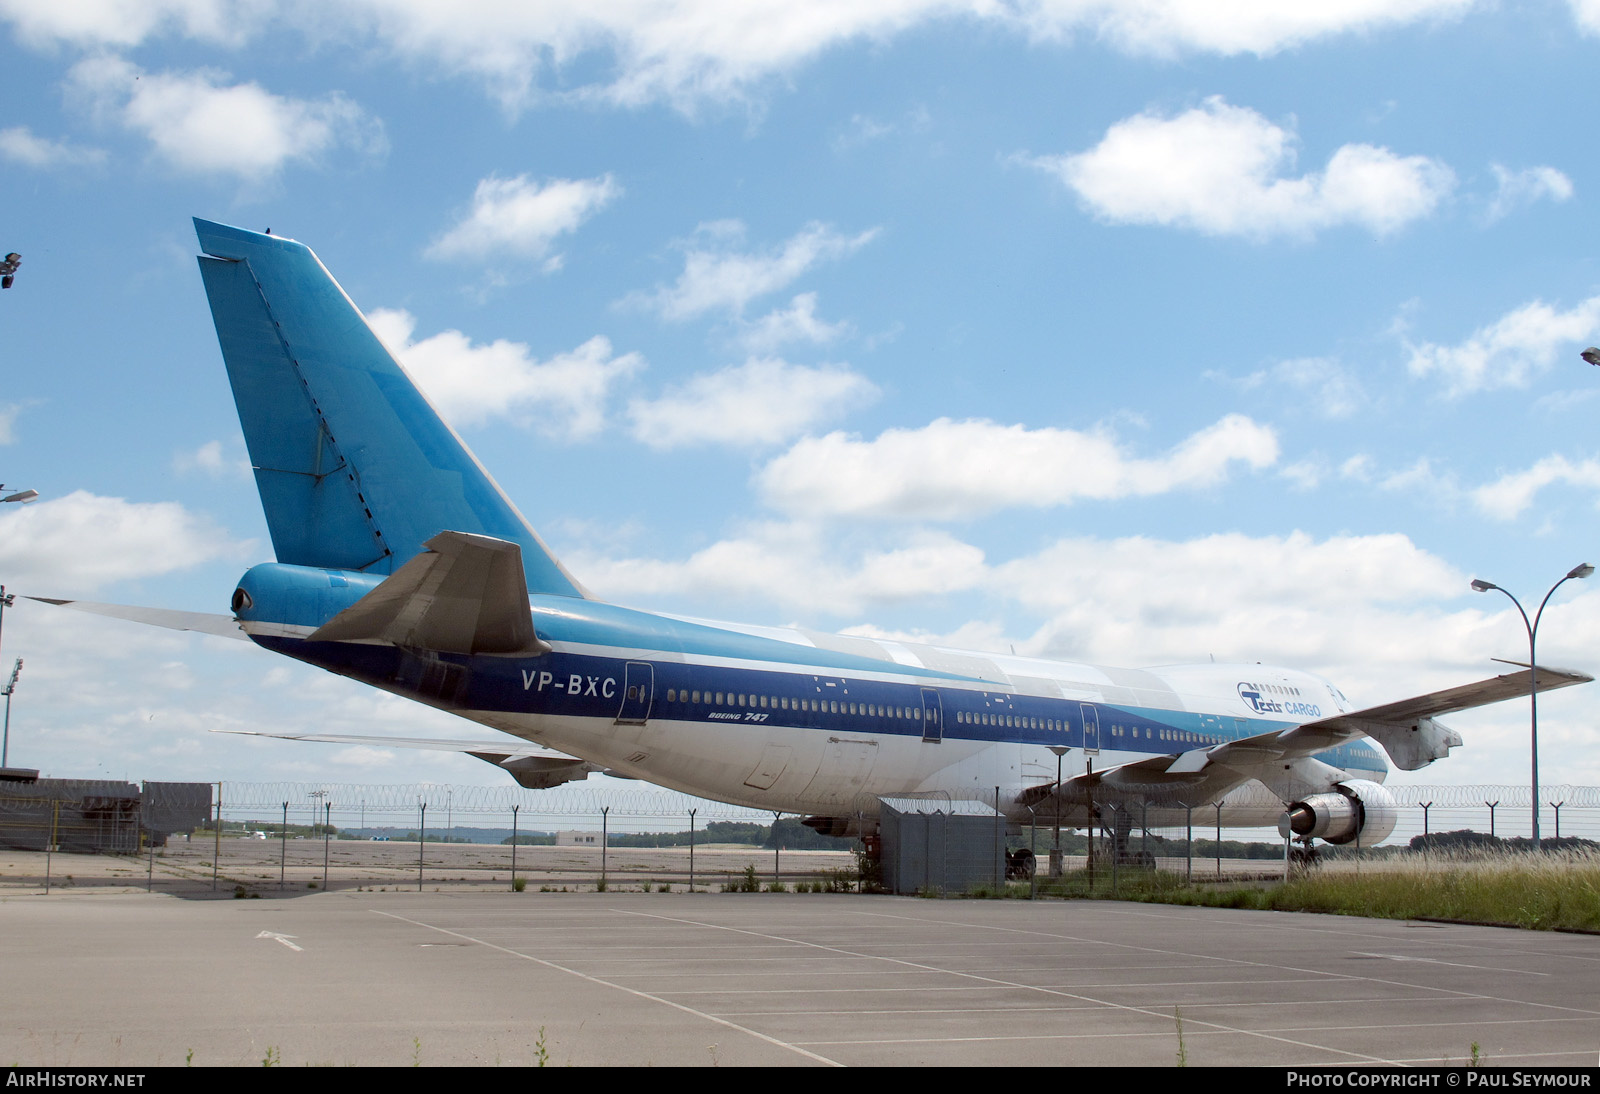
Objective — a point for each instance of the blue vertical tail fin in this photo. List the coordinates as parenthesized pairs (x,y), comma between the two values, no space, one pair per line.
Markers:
(355,468)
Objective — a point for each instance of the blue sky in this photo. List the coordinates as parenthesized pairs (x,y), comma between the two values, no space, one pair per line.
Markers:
(1135,332)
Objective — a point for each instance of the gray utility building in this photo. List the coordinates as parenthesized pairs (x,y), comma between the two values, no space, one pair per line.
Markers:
(940,846)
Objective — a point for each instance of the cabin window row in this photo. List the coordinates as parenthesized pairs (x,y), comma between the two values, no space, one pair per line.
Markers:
(874,710)
(1010,721)
(784,702)
(1277,689)
(1182,736)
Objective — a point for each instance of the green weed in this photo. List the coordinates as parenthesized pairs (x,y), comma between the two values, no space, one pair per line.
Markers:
(1548,891)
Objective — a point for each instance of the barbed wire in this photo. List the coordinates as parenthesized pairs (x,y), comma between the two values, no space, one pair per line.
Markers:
(650,801)
(406,798)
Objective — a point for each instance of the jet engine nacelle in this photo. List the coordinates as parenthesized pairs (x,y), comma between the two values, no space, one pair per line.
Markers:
(1352,809)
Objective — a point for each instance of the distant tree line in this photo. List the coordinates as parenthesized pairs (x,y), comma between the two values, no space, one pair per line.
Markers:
(1075,843)
(787,833)
(1465,839)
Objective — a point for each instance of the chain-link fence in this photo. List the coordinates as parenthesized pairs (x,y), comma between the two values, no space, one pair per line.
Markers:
(303,836)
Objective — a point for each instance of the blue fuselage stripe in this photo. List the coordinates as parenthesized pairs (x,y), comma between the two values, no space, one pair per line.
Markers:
(564,684)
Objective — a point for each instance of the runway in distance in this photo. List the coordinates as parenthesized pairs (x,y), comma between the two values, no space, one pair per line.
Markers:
(401,564)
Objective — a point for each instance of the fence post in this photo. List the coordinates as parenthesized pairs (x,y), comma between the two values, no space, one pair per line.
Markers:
(49,848)
(1116,846)
(327,831)
(1188,845)
(1218,807)
(283,845)
(216,850)
(999,846)
(514,809)
(777,851)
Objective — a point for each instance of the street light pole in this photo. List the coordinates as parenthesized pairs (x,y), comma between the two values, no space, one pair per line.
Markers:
(1055,851)
(6,600)
(1580,571)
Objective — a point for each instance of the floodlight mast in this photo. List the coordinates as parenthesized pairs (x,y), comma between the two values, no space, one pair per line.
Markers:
(5,739)
(1582,570)
(6,600)
(22,497)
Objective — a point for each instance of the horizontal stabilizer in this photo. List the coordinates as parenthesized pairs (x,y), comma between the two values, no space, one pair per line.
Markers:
(533,766)
(464,594)
(223,626)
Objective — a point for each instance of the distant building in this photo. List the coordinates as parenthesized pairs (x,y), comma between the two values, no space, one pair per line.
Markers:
(94,816)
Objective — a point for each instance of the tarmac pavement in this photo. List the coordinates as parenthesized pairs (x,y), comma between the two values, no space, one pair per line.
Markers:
(477,975)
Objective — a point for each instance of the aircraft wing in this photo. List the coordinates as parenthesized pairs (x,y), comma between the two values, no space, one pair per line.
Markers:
(533,766)
(223,626)
(1405,729)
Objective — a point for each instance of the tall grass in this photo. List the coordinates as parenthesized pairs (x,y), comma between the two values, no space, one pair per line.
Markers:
(1546,891)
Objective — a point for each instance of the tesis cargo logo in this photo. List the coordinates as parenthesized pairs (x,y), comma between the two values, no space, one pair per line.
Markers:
(1254,698)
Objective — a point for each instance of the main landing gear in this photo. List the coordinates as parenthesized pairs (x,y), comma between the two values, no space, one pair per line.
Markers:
(1020,865)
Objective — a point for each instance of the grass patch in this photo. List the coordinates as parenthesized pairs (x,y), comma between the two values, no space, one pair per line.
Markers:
(1549,891)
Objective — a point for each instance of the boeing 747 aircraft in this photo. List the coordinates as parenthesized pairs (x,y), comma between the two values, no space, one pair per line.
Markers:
(401,564)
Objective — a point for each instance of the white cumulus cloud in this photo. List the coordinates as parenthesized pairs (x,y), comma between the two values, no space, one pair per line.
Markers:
(692,52)
(1514,189)
(717,277)
(795,567)
(796,323)
(83,541)
(949,469)
(1329,387)
(523,218)
(564,397)
(1226,170)
(1510,495)
(20,145)
(1341,601)
(91,23)
(1262,27)
(1586,13)
(765,401)
(1509,351)
(198,121)
(210,460)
